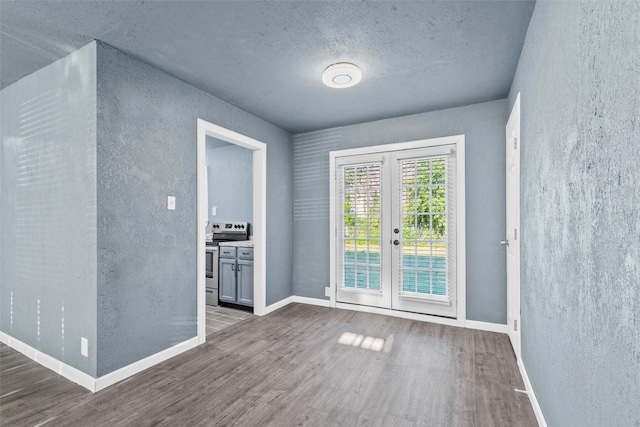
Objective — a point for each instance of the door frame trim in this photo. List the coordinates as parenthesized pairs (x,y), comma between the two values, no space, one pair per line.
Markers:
(204,129)
(459,142)
(515,116)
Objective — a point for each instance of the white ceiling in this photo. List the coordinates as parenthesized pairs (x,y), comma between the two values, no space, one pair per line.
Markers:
(267,57)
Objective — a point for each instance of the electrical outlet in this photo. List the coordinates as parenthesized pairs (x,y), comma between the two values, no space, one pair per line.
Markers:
(214,210)
(171,203)
(84,347)
(327,291)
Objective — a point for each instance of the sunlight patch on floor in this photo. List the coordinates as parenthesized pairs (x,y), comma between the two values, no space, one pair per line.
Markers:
(366,342)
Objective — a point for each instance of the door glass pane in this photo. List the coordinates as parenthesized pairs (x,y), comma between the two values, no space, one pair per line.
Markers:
(438,170)
(424,228)
(408,280)
(374,277)
(438,194)
(349,266)
(361,223)
(439,226)
(423,172)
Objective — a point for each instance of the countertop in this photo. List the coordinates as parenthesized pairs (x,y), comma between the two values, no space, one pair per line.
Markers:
(239,244)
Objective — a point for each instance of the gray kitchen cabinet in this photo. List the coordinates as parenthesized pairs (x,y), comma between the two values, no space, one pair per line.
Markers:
(245,282)
(236,275)
(227,273)
(227,252)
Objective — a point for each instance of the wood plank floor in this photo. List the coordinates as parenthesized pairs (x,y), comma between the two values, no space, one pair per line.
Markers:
(299,366)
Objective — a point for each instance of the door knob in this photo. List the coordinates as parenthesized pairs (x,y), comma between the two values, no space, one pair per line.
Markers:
(396,242)
(504,242)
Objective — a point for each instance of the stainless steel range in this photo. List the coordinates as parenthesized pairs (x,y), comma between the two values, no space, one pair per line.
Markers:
(228,232)
(220,232)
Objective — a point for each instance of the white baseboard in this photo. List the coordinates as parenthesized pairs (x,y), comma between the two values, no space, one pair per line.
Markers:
(400,314)
(312,301)
(471,324)
(273,307)
(294,298)
(532,396)
(87,381)
(146,363)
(486,326)
(61,368)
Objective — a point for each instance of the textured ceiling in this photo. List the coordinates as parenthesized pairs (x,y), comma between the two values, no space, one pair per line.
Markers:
(267,57)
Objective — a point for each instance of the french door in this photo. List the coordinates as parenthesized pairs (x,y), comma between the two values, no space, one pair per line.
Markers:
(396,235)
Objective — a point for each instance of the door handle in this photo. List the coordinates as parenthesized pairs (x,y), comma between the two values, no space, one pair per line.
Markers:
(504,242)
(233,267)
(396,242)
(396,230)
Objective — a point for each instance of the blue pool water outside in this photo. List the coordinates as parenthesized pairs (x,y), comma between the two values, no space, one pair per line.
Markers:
(422,274)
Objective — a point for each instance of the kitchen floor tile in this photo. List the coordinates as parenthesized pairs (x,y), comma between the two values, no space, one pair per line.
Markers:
(219,318)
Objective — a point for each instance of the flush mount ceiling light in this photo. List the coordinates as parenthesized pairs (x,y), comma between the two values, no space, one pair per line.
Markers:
(342,75)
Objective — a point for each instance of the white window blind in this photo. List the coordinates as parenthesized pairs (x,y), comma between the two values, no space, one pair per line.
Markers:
(426,258)
(359,201)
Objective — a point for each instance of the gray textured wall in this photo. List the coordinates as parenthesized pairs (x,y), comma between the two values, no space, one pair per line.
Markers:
(147,254)
(230,174)
(579,78)
(48,211)
(483,124)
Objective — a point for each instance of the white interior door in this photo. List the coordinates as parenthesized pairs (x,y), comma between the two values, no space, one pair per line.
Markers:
(512,241)
(395,230)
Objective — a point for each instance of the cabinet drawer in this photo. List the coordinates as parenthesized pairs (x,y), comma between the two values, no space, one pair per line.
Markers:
(245,253)
(227,252)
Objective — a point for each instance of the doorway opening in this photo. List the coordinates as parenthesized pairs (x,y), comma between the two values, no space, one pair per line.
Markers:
(397,229)
(258,227)
(229,281)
